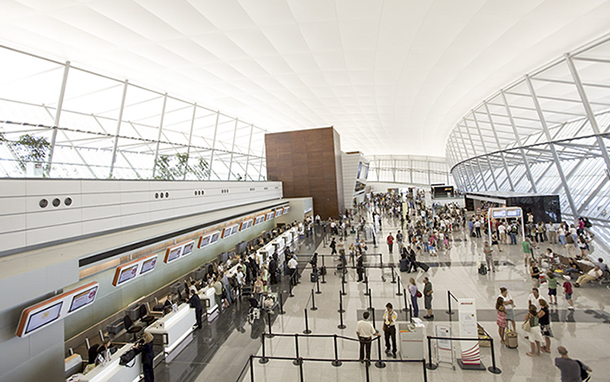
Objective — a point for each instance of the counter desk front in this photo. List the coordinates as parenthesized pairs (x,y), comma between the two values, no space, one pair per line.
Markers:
(174,327)
(114,372)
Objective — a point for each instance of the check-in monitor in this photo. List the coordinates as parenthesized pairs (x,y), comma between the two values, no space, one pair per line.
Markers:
(127,274)
(148,265)
(43,317)
(188,248)
(82,299)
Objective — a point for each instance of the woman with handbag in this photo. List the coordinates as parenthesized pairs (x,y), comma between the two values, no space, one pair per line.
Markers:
(532,326)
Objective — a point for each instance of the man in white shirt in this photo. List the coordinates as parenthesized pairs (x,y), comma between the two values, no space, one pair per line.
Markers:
(593,274)
(365,332)
(534,299)
(292,267)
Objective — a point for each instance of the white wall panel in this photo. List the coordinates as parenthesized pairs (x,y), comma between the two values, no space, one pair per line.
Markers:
(102,205)
(14,187)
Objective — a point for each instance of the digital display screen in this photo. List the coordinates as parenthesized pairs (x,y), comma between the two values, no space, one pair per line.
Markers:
(513,213)
(128,274)
(173,254)
(214,237)
(270,215)
(245,225)
(286,210)
(498,214)
(226,232)
(188,248)
(235,229)
(83,299)
(204,240)
(44,317)
(359,170)
(259,219)
(278,212)
(148,265)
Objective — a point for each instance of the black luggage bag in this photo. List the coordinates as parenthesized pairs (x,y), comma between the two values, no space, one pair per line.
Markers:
(314,277)
(423,266)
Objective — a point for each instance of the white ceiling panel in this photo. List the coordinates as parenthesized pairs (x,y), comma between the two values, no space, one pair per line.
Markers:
(388,75)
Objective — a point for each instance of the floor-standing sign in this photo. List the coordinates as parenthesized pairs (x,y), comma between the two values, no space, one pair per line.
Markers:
(444,346)
(471,355)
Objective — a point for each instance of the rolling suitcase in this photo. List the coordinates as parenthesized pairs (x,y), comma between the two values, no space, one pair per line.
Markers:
(404,265)
(511,340)
(314,277)
(323,270)
(423,266)
(483,269)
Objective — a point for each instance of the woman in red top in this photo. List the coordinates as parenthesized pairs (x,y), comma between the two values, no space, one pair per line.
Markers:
(501,318)
(390,241)
(567,290)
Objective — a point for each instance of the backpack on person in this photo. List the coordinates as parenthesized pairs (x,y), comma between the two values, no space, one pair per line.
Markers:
(482,269)
(584,373)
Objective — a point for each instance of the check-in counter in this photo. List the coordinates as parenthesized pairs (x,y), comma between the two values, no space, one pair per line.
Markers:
(114,372)
(208,294)
(174,327)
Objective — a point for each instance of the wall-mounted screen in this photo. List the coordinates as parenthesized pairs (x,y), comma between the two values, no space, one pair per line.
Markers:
(286,210)
(128,274)
(204,240)
(173,253)
(214,237)
(43,317)
(188,248)
(259,220)
(82,299)
(245,225)
(513,213)
(270,215)
(278,212)
(235,229)
(226,232)
(498,214)
(148,265)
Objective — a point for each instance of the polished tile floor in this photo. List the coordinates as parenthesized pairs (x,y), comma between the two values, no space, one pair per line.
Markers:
(220,351)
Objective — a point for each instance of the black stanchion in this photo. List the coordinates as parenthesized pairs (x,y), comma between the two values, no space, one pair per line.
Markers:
(366,285)
(368,364)
(343,292)
(306,331)
(336,362)
(263,359)
(323,274)
(393,276)
(423,364)
(343,275)
(301,372)
(430,365)
(313,301)
(449,303)
(379,364)
(341,310)
(290,294)
(371,301)
(399,292)
(341,324)
(298,360)
(270,334)
(251,369)
(404,296)
(318,286)
(281,298)
(493,369)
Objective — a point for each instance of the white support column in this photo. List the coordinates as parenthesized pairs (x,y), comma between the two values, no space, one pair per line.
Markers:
(213,145)
(249,147)
(588,110)
(188,148)
(545,128)
(60,104)
(518,139)
(159,134)
(118,130)
(476,123)
(232,148)
(493,128)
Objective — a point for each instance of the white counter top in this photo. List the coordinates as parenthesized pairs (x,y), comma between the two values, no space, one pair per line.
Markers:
(114,372)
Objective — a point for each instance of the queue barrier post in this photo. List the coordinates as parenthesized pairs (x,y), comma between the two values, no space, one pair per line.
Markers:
(370,301)
(281,298)
(313,300)
(343,292)
(298,360)
(318,285)
(430,365)
(251,368)
(366,282)
(341,324)
(336,361)
(306,331)
(493,369)
(449,303)
(341,310)
(263,359)
(404,297)
(270,334)
(399,293)
(393,275)
(379,364)
(291,286)
(323,273)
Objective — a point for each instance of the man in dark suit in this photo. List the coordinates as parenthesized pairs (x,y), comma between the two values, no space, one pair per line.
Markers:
(195,302)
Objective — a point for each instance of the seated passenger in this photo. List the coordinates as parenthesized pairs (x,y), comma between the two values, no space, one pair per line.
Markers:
(593,274)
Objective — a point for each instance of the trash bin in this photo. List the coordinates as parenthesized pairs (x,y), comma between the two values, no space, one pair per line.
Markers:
(411,341)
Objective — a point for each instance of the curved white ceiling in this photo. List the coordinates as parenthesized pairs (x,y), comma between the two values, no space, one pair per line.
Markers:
(392,76)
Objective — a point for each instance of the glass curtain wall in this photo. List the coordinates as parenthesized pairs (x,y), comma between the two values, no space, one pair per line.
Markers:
(546,133)
(416,170)
(66,122)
